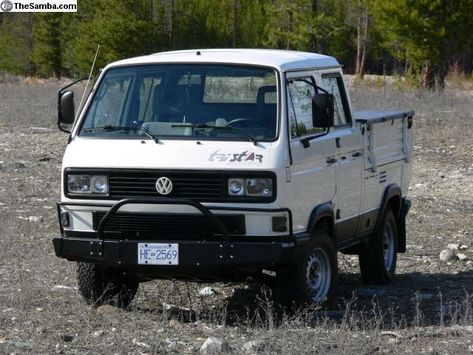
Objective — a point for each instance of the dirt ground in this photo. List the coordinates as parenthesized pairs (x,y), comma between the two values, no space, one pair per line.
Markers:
(426,309)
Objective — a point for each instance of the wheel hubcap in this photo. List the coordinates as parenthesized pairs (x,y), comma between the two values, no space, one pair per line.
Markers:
(388,246)
(318,275)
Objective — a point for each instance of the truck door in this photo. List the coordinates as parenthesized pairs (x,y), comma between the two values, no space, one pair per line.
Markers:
(349,158)
(312,173)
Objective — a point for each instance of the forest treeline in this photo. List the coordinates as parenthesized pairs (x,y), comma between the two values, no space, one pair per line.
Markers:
(422,39)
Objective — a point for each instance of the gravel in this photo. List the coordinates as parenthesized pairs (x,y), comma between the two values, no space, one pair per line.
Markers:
(428,304)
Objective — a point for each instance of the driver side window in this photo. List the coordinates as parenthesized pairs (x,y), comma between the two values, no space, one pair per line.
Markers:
(300,93)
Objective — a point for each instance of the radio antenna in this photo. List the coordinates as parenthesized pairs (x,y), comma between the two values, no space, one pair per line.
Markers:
(90,75)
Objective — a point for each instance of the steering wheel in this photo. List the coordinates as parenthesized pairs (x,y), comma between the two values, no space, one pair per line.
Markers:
(244,119)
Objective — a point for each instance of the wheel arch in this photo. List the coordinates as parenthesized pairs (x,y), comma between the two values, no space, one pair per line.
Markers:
(392,197)
(322,217)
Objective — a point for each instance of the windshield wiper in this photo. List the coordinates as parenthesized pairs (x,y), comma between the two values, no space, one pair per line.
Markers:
(122,128)
(225,128)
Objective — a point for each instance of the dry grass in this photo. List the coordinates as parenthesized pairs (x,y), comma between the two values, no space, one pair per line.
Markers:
(427,309)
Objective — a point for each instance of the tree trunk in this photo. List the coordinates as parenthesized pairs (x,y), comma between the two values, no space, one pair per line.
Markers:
(358,46)
(361,40)
(235,23)
(363,45)
(169,16)
(290,25)
(428,76)
(313,39)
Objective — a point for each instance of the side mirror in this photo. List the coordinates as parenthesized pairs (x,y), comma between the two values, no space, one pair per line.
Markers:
(322,110)
(66,111)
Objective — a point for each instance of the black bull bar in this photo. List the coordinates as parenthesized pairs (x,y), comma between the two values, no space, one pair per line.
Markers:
(162,201)
(196,255)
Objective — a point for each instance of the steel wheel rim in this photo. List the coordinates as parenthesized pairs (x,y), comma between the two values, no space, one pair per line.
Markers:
(318,275)
(388,246)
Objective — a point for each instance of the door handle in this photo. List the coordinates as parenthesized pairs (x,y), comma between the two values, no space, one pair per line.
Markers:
(331,161)
(356,155)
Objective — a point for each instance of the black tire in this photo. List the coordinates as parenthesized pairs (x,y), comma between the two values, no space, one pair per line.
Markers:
(378,258)
(313,279)
(105,286)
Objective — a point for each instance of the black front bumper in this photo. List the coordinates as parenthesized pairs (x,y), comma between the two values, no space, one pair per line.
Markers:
(194,256)
(213,256)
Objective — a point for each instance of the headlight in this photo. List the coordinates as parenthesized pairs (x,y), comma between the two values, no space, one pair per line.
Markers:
(253,187)
(87,184)
(259,187)
(99,184)
(236,187)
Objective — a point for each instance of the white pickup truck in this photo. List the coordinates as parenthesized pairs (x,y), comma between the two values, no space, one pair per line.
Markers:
(219,164)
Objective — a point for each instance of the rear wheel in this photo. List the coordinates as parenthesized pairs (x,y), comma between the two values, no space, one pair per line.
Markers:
(105,286)
(378,259)
(313,279)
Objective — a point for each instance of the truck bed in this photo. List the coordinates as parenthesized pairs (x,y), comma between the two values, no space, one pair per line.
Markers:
(389,136)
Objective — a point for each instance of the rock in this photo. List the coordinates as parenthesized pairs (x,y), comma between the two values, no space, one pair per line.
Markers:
(19,165)
(214,346)
(107,309)
(45,158)
(98,333)
(462,257)
(447,255)
(39,130)
(426,296)
(252,347)
(66,337)
(207,291)
(23,344)
(463,247)
(453,246)
(140,344)
(62,287)
(171,344)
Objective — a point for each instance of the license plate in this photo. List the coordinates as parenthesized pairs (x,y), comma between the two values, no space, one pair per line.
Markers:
(158,254)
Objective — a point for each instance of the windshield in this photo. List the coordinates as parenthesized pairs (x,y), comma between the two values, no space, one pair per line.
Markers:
(223,102)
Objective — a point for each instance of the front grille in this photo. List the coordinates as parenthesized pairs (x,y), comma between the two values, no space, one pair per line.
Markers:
(188,225)
(202,186)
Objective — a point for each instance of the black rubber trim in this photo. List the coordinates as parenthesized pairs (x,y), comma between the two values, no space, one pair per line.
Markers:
(58,207)
(98,84)
(320,211)
(394,116)
(405,207)
(391,191)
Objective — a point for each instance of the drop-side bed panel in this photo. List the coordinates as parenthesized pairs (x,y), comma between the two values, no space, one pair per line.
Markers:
(389,136)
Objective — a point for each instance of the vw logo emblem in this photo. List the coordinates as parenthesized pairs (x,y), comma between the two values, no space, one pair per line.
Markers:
(164,185)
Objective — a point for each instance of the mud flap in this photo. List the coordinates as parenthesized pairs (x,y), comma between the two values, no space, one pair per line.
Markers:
(405,206)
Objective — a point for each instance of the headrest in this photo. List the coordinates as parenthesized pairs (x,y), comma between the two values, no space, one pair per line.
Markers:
(261,96)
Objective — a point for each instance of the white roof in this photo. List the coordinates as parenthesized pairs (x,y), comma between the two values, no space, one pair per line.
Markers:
(280,59)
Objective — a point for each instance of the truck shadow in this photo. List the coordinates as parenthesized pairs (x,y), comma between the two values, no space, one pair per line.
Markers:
(411,299)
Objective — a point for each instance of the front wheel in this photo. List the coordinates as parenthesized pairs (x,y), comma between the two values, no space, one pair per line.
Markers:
(378,259)
(105,286)
(313,279)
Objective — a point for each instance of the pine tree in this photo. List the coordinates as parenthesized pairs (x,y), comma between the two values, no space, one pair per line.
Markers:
(47,51)
(16,43)
(122,28)
(425,33)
